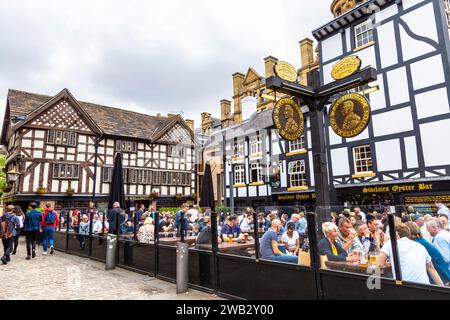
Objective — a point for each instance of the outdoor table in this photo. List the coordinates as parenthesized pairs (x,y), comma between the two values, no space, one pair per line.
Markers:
(347,266)
(226,246)
(173,241)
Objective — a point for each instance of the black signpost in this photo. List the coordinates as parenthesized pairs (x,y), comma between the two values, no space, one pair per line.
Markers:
(315,97)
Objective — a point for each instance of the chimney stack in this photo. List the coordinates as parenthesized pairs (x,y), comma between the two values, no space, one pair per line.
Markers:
(270,63)
(306,52)
(238,80)
(225,112)
(190,123)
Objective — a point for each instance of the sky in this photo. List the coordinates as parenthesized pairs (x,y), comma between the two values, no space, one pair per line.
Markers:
(170,56)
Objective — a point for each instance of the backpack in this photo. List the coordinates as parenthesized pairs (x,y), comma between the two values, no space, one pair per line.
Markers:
(5,232)
(50,217)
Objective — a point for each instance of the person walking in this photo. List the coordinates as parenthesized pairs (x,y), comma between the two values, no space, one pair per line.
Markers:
(19,214)
(115,218)
(33,219)
(9,225)
(48,225)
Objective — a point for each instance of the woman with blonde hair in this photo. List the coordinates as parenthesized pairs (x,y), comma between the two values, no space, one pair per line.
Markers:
(147,231)
(330,247)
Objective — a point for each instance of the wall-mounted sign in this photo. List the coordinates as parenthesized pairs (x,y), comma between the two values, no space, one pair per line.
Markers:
(288,119)
(350,115)
(285,71)
(346,67)
(296,196)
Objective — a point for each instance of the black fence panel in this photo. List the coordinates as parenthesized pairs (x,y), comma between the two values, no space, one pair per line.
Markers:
(60,240)
(349,286)
(137,256)
(248,279)
(167,262)
(98,248)
(201,268)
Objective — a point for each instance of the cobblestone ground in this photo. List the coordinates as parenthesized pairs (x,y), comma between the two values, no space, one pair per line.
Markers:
(62,276)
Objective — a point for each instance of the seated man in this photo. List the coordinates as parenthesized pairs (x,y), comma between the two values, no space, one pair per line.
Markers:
(205,235)
(231,229)
(269,245)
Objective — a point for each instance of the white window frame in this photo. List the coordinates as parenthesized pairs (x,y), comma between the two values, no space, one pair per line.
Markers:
(297,173)
(365,32)
(239,174)
(365,164)
(238,148)
(255,145)
(297,145)
(259,172)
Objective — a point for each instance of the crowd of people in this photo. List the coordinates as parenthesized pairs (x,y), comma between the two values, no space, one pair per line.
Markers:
(423,242)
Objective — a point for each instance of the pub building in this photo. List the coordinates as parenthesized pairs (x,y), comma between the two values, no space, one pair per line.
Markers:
(397,158)
(54,143)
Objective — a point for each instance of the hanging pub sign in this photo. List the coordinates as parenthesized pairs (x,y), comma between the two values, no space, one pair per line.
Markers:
(288,119)
(346,67)
(350,115)
(285,71)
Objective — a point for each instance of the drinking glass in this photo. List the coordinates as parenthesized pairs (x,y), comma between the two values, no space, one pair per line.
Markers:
(363,258)
(372,257)
(230,238)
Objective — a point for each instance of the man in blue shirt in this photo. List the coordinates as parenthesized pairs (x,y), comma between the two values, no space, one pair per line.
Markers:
(441,239)
(184,210)
(31,225)
(231,228)
(269,245)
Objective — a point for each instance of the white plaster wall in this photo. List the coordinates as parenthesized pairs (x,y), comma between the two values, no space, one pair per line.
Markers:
(395,121)
(435,153)
(432,103)
(340,162)
(411,152)
(421,75)
(387,43)
(389,156)
(398,86)
(332,47)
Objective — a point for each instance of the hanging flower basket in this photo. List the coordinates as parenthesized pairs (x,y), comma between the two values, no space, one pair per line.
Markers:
(41,190)
(178,196)
(70,191)
(193,196)
(7,188)
(153,196)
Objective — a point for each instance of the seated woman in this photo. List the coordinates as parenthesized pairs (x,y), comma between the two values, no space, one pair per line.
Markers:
(146,233)
(328,246)
(291,239)
(127,227)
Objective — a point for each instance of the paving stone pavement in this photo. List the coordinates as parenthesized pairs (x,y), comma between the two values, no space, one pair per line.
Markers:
(67,277)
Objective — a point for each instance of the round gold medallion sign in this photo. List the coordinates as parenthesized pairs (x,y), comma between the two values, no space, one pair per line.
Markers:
(350,115)
(288,119)
(285,71)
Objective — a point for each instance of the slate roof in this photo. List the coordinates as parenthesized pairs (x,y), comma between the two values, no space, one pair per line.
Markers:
(112,121)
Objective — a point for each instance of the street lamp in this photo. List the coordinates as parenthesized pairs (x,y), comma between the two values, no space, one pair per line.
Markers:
(12,175)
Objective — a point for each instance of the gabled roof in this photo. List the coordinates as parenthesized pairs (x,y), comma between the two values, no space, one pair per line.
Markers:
(251,76)
(172,123)
(111,121)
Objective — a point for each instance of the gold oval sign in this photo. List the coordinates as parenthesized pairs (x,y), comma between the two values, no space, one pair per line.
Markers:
(350,115)
(285,71)
(346,67)
(288,119)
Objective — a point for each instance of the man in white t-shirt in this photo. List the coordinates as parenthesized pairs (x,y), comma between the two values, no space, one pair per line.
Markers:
(415,262)
(442,209)
(194,214)
(358,211)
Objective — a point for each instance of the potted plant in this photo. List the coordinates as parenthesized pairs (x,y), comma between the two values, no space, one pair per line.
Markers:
(70,191)
(41,190)
(7,188)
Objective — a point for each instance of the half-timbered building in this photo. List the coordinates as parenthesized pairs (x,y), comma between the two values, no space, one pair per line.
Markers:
(64,150)
(403,156)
